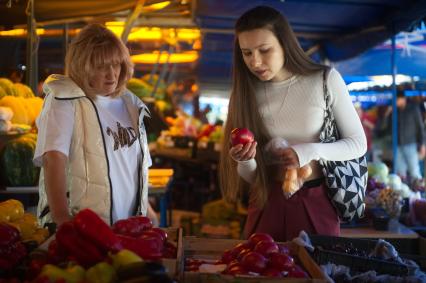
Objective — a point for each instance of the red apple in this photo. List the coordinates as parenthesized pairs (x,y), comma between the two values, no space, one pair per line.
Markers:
(272,272)
(257,237)
(238,248)
(227,256)
(284,249)
(243,253)
(297,272)
(281,262)
(236,270)
(254,262)
(266,247)
(241,136)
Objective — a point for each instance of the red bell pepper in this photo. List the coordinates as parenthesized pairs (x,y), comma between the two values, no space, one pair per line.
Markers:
(89,224)
(8,235)
(55,253)
(77,246)
(147,248)
(11,255)
(133,226)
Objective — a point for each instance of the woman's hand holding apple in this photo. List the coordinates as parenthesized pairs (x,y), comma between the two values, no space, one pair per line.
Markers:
(242,152)
(243,144)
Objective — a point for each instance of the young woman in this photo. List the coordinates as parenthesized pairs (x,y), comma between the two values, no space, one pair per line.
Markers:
(278,93)
(92,144)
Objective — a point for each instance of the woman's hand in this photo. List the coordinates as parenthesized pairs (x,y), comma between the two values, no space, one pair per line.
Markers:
(289,158)
(243,153)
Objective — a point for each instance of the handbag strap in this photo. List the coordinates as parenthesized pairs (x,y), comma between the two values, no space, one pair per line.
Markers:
(329,131)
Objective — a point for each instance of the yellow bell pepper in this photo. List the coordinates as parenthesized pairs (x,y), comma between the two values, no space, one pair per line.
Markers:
(26,225)
(72,274)
(101,273)
(12,208)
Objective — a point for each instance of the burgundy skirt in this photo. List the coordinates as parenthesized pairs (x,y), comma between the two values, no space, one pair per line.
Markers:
(309,209)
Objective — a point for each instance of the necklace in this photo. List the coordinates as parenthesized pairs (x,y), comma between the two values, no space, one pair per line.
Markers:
(282,102)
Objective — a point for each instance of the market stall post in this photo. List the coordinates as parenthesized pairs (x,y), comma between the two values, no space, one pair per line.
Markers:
(394,108)
(32,48)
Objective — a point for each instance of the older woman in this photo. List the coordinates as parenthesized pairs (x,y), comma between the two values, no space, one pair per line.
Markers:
(92,144)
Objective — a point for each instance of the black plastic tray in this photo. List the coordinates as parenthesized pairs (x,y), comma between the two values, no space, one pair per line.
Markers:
(357,263)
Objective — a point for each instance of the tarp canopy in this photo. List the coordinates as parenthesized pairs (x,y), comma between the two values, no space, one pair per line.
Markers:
(54,10)
(409,60)
(336,29)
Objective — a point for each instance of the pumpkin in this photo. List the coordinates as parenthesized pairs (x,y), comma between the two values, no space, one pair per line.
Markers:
(24,90)
(8,87)
(2,92)
(33,107)
(17,104)
(16,159)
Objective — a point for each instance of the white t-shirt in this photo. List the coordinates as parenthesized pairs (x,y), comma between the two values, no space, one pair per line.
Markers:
(123,149)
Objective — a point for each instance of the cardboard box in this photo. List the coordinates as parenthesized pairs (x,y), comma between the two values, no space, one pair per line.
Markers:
(202,248)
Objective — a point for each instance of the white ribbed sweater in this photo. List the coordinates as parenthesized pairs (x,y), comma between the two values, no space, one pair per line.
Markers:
(294,110)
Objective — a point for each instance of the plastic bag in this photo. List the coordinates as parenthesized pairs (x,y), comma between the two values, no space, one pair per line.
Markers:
(294,178)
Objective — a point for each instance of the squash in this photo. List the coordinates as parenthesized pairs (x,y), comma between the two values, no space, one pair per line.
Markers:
(24,90)
(16,161)
(17,104)
(2,92)
(8,87)
(33,106)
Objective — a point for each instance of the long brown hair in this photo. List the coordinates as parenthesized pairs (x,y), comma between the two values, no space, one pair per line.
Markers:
(93,46)
(243,111)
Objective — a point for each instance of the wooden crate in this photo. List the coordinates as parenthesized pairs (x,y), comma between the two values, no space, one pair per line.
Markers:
(201,248)
(174,265)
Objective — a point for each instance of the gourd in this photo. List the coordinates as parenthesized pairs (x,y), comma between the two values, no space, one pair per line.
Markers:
(16,161)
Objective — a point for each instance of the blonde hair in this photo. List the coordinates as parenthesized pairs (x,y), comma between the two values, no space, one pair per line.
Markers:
(95,45)
(243,109)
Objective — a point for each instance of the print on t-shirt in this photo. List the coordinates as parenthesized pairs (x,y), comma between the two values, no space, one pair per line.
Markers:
(123,136)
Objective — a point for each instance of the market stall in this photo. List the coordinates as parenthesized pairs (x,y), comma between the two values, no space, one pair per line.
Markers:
(189,46)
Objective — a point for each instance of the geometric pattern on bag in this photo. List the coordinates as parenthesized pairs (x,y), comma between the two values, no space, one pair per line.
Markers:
(346,180)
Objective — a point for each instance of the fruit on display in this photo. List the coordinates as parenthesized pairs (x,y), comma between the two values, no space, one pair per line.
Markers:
(222,219)
(12,250)
(24,90)
(8,87)
(20,99)
(391,201)
(144,87)
(11,210)
(133,226)
(260,255)
(101,273)
(12,213)
(69,274)
(91,226)
(2,92)
(379,170)
(86,249)
(16,160)
(385,190)
(124,257)
(139,87)
(241,136)
(20,114)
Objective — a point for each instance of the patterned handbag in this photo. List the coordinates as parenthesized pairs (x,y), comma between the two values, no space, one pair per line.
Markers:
(346,180)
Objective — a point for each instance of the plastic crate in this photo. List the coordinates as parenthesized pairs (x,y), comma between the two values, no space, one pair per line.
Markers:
(357,263)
